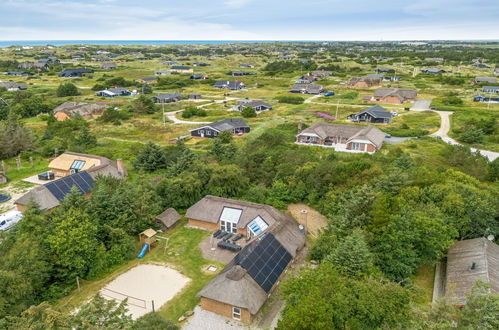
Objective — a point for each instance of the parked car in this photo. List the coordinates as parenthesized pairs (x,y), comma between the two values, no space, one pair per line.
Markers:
(9,219)
(395,113)
(329,94)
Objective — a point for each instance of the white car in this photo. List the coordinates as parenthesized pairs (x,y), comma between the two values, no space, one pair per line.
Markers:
(9,219)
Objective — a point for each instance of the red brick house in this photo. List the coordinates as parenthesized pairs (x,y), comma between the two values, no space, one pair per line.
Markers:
(345,138)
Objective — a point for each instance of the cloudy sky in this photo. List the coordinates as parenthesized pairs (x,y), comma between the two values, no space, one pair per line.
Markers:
(248,19)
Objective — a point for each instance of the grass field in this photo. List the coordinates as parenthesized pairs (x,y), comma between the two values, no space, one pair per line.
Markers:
(181,254)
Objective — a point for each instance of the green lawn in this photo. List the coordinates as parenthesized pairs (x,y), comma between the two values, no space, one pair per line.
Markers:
(423,282)
(183,241)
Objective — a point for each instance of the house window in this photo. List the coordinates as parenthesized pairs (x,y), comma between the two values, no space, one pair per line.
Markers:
(356,146)
(208,132)
(236,313)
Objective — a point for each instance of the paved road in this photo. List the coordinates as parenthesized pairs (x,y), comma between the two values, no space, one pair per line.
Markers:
(396,139)
(444,130)
(421,105)
(172,117)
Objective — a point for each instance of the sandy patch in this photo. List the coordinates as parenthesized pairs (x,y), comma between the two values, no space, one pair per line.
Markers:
(144,284)
(313,220)
(15,193)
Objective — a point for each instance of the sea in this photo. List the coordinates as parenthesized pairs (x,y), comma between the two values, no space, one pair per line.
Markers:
(9,43)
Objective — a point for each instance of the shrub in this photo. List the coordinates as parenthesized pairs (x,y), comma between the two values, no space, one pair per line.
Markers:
(193,111)
(472,135)
(67,89)
(248,112)
(290,99)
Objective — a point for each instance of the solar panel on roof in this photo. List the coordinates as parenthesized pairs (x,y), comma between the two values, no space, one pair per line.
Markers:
(264,260)
(61,187)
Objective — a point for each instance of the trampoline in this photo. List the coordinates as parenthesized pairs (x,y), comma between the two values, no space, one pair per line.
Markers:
(4,198)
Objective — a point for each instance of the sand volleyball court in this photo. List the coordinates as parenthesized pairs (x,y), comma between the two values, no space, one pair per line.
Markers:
(145,285)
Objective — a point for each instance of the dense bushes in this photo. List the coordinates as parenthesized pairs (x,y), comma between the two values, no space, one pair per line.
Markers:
(289,66)
(193,111)
(290,99)
(67,89)
(83,237)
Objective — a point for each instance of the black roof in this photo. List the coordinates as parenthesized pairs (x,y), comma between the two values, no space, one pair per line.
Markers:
(264,259)
(62,187)
(228,124)
(376,111)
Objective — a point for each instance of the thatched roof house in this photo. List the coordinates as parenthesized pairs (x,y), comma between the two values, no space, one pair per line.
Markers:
(168,218)
(467,262)
(346,138)
(242,288)
(72,169)
(71,162)
(68,110)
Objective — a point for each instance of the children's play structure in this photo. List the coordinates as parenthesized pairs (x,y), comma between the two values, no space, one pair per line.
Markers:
(148,239)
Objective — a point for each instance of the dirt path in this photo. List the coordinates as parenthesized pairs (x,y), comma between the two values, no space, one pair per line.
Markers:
(444,130)
(171,115)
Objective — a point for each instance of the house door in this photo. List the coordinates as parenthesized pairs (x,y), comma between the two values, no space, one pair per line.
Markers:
(201,132)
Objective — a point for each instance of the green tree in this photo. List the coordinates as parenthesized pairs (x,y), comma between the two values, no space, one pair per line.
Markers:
(482,308)
(67,89)
(14,138)
(73,243)
(227,181)
(223,147)
(352,256)
(153,321)
(84,140)
(143,104)
(151,158)
(322,299)
(248,112)
(102,313)
(472,135)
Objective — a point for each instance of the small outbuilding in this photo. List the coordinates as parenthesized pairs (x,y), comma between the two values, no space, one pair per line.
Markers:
(168,218)
(469,261)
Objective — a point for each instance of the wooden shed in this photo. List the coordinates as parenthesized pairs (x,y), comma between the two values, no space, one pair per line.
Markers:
(168,219)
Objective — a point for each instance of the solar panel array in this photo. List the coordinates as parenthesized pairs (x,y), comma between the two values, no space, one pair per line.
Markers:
(264,261)
(61,187)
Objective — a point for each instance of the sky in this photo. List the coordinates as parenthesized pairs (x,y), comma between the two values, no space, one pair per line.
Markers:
(249,19)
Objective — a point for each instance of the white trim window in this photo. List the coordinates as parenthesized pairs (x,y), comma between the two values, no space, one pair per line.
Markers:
(229,219)
(236,313)
(356,146)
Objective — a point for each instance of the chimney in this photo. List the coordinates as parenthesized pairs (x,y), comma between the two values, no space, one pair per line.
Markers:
(121,167)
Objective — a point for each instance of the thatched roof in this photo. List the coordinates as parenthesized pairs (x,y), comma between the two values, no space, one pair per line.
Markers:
(169,217)
(65,160)
(210,209)
(41,196)
(349,132)
(83,109)
(469,261)
(401,93)
(234,286)
(239,286)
